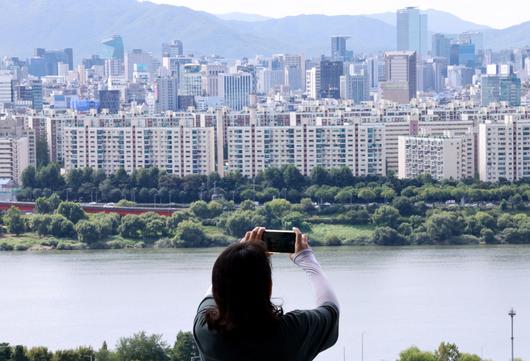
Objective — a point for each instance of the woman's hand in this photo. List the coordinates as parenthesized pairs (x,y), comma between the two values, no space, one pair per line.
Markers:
(301,242)
(255,235)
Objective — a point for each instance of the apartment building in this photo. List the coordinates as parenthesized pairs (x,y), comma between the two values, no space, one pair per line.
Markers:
(180,149)
(17,148)
(443,157)
(504,149)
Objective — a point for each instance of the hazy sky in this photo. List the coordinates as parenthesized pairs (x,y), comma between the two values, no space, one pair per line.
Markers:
(495,13)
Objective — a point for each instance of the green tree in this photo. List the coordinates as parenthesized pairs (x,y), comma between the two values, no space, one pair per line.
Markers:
(386,216)
(319,176)
(238,223)
(185,348)
(131,226)
(200,209)
(415,354)
(88,232)
(292,178)
(155,226)
(49,176)
(278,208)
(39,354)
(72,211)
(447,352)
(14,221)
(42,152)
(366,194)
(388,194)
(191,234)
(65,355)
(173,221)
(19,353)
(345,195)
(403,205)
(386,236)
(307,205)
(247,205)
(104,354)
(43,206)
(215,209)
(295,219)
(60,226)
(142,347)
(469,357)
(29,177)
(488,236)
(5,352)
(441,226)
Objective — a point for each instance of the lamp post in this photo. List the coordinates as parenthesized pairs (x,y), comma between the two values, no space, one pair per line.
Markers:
(512,315)
(362,346)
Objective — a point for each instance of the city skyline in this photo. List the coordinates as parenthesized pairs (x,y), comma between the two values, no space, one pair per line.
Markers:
(489,13)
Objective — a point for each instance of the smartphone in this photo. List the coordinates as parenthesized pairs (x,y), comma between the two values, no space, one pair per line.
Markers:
(279,241)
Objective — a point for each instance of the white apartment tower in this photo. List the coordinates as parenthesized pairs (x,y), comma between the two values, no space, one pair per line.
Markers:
(442,157)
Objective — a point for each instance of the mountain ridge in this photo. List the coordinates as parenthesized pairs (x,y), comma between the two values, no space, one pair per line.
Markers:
(145,25)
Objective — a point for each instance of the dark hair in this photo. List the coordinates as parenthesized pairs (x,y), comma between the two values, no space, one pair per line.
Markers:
(241,285)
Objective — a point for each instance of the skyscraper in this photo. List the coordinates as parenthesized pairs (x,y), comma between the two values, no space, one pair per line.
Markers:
(235,89)
(355,86)
(141,58)
(190,83)
(210,78)
(166,94)
(173,49)
(45,62)
(116,44)
(330,73)
(503,86)
(5,89)
(312,82)
(338,48)
(441,46)
(412,30)
(400,85)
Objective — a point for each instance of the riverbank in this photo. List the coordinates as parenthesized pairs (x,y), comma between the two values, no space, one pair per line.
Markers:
(320,235)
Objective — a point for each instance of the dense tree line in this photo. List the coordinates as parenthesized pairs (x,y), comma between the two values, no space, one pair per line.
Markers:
(144,347)
(139,347)
(444,352)
(337,185)
(402,220)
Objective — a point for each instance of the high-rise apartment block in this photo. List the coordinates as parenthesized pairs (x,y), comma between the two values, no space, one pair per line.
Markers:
(109,145)
(441,157)
(504,149)
(17,148)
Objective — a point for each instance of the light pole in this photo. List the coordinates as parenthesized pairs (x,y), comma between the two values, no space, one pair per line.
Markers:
(362,346)
(512,315)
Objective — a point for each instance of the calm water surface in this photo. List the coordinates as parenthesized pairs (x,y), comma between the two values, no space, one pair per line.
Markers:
(397,297)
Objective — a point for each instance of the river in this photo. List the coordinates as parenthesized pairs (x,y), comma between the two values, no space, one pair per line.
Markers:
(396,297)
